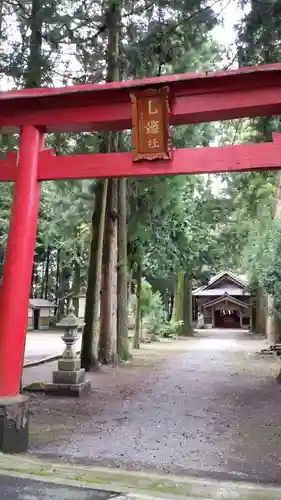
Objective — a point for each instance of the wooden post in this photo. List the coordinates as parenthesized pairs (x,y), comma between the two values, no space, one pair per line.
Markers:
(213,317)
(18,262)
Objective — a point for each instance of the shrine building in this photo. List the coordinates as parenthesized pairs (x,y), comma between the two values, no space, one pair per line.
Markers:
(224,302)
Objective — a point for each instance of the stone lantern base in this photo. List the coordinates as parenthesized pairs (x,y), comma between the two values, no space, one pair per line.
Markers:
(69,379)
(14,424)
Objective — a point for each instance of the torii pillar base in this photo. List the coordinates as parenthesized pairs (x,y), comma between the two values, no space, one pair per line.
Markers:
(14,424)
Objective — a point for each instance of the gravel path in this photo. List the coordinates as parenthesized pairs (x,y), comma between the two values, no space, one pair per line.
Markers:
(209,405)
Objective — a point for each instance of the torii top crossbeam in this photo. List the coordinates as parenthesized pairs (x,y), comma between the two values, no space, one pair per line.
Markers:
(196,97)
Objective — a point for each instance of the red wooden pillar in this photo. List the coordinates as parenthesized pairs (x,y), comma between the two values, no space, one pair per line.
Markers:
(18,262)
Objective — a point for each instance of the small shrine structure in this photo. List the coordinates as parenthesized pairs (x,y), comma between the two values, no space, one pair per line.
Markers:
(224,302)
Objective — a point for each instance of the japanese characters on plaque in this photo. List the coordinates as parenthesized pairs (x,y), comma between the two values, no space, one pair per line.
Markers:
(150,117)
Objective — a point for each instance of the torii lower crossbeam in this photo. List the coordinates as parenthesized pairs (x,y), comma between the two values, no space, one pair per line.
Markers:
(242,157)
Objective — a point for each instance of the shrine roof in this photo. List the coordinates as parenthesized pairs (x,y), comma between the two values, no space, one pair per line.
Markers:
(247,91)
(227,298)
(236,286)
(213,292)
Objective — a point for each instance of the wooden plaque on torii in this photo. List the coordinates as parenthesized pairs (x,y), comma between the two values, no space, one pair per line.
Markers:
(150,124)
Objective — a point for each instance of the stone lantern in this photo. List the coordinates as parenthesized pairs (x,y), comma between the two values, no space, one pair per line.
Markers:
(69,379)
(70,323)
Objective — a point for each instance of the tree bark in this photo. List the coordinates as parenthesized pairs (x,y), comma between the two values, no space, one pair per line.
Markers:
(138,306)
(76,285)
(187,306)
(32,281)
(178,300)
(182,310)
(33,74)
(47,272)
(43,277)
(107,343)
(108,332)
(2,2)
(57,270)
(172,301)
(63,289)
(129,284)
(122,274)
(90,338)
(272,322)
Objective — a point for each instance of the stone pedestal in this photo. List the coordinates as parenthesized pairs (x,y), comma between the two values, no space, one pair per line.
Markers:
(69,378)
(14,424)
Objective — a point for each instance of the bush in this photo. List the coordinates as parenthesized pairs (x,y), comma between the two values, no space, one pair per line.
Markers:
(152,308)
(172,329)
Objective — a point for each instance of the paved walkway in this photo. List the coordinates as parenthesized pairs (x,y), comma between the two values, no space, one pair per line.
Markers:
(211,407)
(43,344)
(17,488)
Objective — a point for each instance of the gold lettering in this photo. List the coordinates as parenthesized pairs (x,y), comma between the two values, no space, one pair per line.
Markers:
(152,127)
(150,110)
(153,143)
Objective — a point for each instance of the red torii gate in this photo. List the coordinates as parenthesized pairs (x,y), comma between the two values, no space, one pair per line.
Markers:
(199,97)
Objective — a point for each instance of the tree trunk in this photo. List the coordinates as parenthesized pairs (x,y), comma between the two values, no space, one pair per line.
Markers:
(182,310)
(129,284)
(257,322)
(166,300)
(32,281)
(108,332)
(57,271)
(36,282)
(76,286)
(1,15)
(138,306)
(44,265)
(122,274)
(260,314)
(172,302)
(47,272)
(33,75)
(63,289)
(272,323)
(179,299)
(187,306)
(90,338)
(107,341)
(253,317)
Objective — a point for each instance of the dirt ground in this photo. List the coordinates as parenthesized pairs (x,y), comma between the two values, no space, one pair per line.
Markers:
(206,405)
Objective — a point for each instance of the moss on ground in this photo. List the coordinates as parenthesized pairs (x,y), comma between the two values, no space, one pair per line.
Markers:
(140,483)
(36,386)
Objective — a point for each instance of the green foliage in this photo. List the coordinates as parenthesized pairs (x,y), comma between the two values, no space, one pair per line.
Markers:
(152,308)
(260,32)
(171,329)
(262,256)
